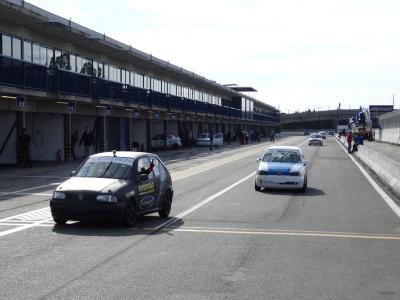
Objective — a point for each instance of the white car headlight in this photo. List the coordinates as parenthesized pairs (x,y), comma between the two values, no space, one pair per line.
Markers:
(58,195)
(107,198)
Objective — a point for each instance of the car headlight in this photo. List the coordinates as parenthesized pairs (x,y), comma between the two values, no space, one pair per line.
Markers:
(294,173)
(262,172)
(106,198)
(58,195)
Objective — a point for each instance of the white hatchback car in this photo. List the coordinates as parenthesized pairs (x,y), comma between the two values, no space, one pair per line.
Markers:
(172,142)
(204,139)
(315,139)
(282,167)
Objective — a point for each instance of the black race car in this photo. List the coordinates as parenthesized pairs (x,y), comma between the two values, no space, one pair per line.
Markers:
(114,185)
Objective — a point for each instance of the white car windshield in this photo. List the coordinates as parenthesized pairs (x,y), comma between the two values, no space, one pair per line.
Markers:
(282,156)
(106,167)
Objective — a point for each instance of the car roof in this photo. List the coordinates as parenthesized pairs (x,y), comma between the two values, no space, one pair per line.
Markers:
(130,154)
(283,148)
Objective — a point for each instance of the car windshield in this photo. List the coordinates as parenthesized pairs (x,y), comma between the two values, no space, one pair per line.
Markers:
(106,167)
(316,136)
(282,156)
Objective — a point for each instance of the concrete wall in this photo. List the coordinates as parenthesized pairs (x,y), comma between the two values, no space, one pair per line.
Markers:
(9,154)
(390,128)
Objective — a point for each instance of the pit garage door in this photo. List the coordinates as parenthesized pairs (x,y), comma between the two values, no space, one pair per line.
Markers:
(47,132)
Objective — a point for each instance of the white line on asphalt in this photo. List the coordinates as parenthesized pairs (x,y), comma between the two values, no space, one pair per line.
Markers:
(31,194)
(22,224)
(29,189)
(205,201)
(389,201)
(294,233)
(20,228)
(43,210)
(33,176)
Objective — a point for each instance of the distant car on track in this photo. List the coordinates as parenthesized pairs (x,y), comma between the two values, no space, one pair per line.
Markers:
(114,185)
(170,142)
(282,167)
(315,139)
(204,139)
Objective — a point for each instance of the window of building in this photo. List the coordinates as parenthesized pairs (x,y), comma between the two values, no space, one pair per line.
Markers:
(146,82)
(16,48)
(49,57)
(106,72)
(72,62)
(36,54)
(28,51)
(6,45)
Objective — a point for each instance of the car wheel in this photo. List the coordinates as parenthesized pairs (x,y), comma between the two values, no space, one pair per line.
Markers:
(130,213)
(256,187)
(175,147)
(166,209)
(60,221)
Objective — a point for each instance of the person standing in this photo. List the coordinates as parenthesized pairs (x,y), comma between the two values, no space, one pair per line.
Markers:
(228,137)
(273,136)
(211,134)
(25,142)
(349,141)
(88,141)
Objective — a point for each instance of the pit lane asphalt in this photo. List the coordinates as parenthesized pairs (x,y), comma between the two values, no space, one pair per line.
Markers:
(339,240)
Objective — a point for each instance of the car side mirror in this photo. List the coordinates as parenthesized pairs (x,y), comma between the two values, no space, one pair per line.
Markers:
(73,173)
(143,177)
(305,163)
(258,160)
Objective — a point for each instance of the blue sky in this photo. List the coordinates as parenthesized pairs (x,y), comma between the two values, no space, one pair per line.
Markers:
(298,54)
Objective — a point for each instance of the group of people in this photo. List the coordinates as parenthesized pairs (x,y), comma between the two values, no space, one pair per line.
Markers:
(353,141)
(24,143)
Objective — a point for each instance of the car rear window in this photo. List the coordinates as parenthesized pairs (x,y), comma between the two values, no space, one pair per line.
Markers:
(316,136)
(282,156)
(106,167)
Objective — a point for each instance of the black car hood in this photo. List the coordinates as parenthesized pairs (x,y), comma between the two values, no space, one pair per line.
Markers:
(102,185)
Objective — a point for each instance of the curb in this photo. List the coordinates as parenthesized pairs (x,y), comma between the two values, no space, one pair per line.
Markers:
(387,169)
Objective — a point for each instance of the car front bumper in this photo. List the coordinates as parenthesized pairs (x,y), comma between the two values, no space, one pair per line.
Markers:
(82,211)
(280,182)
(319,143)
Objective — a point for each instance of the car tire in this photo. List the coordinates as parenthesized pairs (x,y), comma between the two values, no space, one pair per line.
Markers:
(256,187)
(60,221)
(130,213)
(167,203)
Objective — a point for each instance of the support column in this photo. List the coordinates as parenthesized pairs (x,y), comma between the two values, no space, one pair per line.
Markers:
(165,132)
(67,137)
(148,134)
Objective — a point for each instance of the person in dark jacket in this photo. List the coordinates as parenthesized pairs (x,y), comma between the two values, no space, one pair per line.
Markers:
(25,142)
(211,135)
(88,141)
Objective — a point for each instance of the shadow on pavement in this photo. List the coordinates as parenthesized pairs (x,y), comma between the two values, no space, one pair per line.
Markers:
(309,192)
(145,226)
